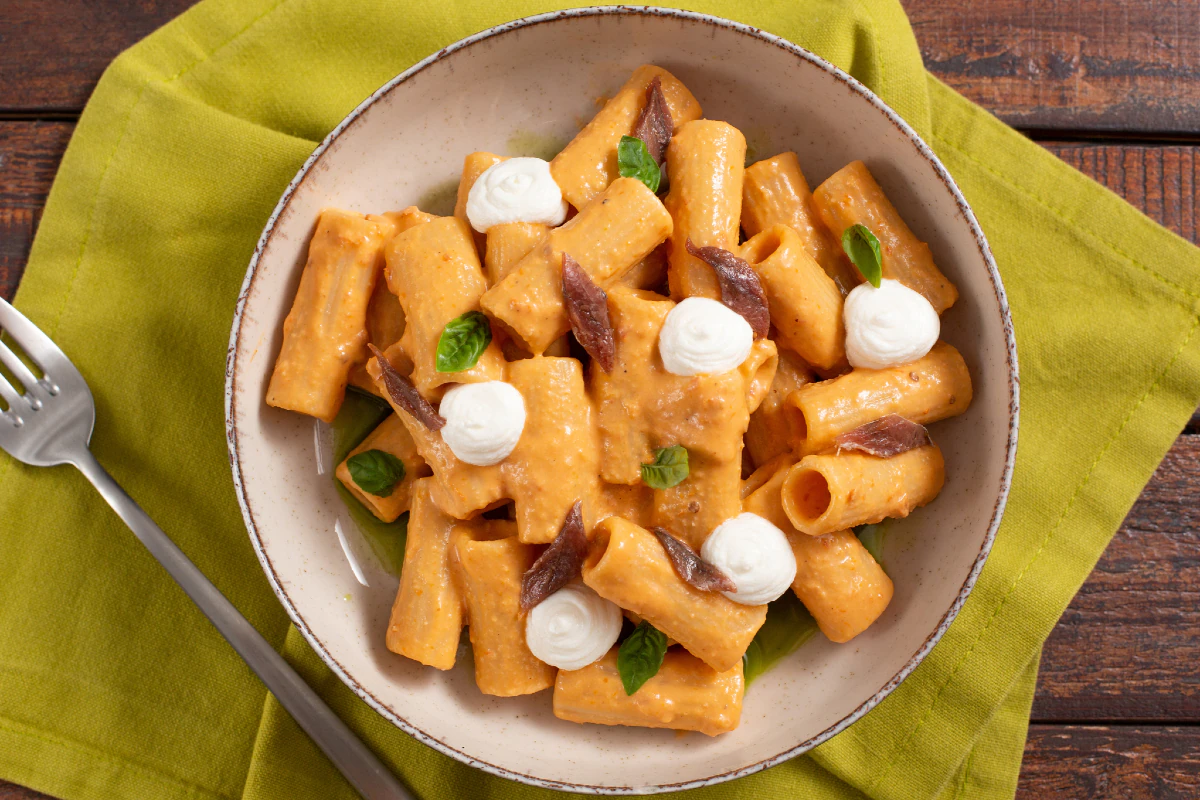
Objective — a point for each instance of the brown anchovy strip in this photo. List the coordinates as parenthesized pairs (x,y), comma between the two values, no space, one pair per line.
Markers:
(587,309)
(885,437)
(694,570)
(741,289)
(654,125)
(405,395)
(561,563)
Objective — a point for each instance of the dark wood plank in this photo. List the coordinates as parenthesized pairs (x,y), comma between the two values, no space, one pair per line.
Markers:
(1077,65)
(10,791)
(1104,761)
(29,156)
(1128,647)
(52,52)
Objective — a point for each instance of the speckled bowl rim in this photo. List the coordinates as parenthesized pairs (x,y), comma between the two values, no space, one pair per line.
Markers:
(1011,357)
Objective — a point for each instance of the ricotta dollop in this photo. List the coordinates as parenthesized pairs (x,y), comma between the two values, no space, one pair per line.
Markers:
(483,421)
(516,190)
(755,555)
(888,326)
(572,627)
(703,336)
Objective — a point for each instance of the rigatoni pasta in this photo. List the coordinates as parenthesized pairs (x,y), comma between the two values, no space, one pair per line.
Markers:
(630,416)
(852,197)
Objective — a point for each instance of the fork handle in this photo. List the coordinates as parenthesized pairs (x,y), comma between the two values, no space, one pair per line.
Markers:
(347,752)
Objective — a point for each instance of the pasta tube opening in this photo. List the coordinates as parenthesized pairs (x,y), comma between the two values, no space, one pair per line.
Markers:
(806,495)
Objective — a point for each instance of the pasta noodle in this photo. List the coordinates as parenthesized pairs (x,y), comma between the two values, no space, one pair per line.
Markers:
(852,197)
(771,430)
(391,437)
(805,304)
(686,694)
(776,193)
(587,165)
(628,566)
(607,238)
(930,389)
(491,572)
(326,330)
(838,581)
(705,161)
(829,493)
(434,271)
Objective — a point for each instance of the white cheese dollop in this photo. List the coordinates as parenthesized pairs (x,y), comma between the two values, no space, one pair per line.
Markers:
(483,421)
(888,326)
(572,627)
(516,190)
(703,336)
(755,555)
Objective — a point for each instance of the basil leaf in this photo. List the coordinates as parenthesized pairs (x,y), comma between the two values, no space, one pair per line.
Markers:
(463,341)
(669,468)
(376,472)
(641,656)
(863,249)
(635,161)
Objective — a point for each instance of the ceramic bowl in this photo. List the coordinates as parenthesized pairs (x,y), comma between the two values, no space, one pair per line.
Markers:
(524,88)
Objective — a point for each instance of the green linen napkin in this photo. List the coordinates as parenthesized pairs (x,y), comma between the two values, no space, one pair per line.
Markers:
(112,685)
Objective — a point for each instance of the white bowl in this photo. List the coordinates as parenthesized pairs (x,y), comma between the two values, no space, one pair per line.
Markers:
(524,88)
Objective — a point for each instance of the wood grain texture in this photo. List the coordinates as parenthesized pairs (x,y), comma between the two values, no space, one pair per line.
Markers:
(1104,761)
(52,52)
(10,791)
(29,156)
(1128,647)
(1128,66)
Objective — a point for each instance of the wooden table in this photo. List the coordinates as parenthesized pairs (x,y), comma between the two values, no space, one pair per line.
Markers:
(1112,88)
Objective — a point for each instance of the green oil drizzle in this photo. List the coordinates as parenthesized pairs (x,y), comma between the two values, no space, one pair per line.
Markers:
(789,625)
(360,415)
(539,145)
(440,199)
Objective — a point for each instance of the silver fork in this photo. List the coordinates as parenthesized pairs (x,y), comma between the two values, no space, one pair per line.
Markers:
(50,424)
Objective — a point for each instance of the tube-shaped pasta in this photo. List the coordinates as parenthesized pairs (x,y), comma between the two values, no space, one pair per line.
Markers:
(927,390)
(627,565)
(838,581)
(556,462)
(771,430)
(806,306)
(428,615)
(385,315)
(632,502)
(434,271)
(642,408)
(490,574)
(649,273)
(607,237)
(684,695)
(326,330)
(474,165)
(705,162)
(507,244)
(588,164)
(851,196)
(776,193)
(828,493)
(391,437)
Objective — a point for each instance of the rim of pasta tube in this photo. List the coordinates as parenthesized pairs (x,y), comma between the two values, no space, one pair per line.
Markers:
(1010,448)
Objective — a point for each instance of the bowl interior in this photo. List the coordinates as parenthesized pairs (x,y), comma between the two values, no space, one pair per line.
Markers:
(525,91)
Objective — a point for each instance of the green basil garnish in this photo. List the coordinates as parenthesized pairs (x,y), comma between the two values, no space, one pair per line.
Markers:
(635,161)
(376,472)
(463,341)
(641,656)
(669,468)
(863,249)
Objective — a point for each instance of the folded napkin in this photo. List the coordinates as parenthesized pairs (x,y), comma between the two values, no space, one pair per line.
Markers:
(112,685)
